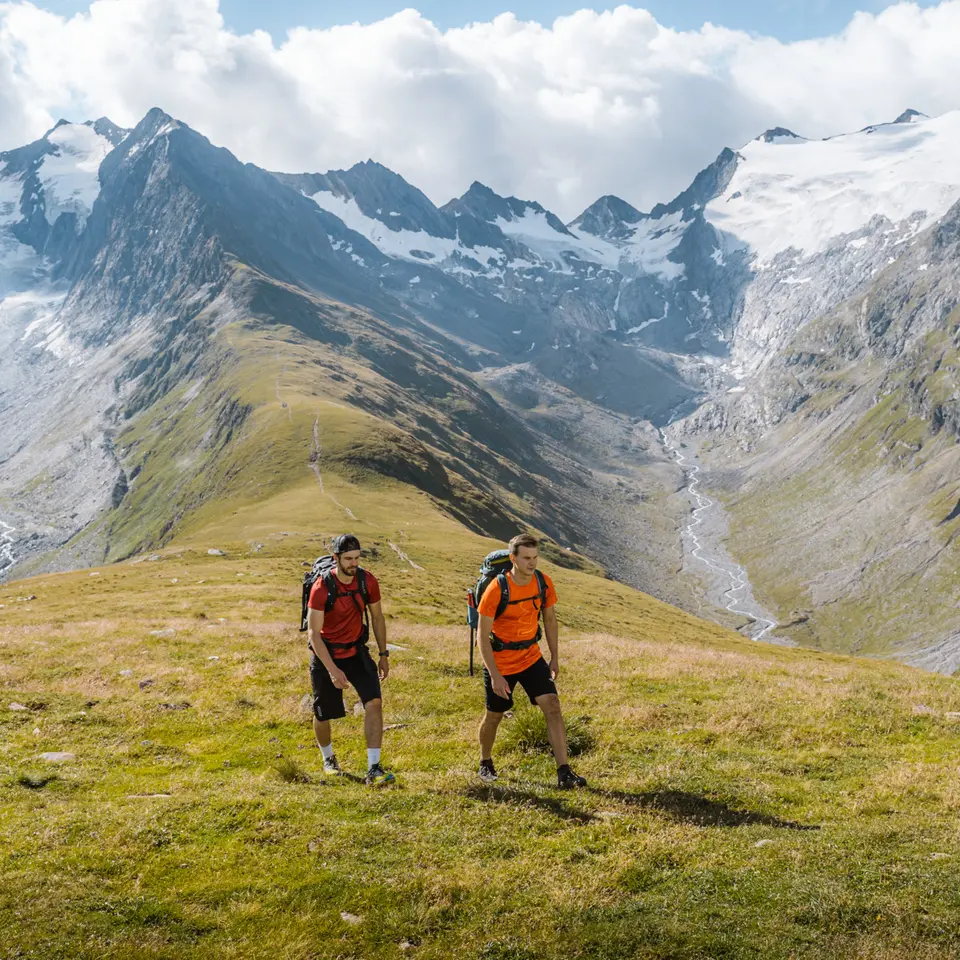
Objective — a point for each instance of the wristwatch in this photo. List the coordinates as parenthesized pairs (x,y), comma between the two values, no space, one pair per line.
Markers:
(384,653)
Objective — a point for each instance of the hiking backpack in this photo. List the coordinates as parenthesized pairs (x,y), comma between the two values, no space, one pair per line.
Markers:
(495,566)
(324,568)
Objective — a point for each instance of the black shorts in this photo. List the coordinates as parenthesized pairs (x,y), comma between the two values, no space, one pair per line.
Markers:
(362,673)
(535,680)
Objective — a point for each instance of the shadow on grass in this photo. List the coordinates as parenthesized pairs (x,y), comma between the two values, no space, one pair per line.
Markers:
(700,811)
(513,796)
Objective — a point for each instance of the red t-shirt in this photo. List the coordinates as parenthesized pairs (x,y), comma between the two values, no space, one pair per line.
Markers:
(344,622)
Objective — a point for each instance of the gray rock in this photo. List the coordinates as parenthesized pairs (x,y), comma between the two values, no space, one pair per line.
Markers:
(17,707)
(57,757)
(215,553)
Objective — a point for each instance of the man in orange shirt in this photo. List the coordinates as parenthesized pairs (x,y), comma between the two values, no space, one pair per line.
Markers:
(509,635)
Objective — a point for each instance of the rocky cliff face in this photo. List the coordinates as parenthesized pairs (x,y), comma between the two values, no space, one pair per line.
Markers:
(840,464)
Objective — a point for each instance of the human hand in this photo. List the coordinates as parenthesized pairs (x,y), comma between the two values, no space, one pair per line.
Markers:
(339,678)
(554,668)
(500,686)
(384,668)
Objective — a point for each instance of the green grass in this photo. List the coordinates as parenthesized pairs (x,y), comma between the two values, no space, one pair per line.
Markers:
(745,801)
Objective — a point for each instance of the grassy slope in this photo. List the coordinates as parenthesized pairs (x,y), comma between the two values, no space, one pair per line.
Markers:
(745,801)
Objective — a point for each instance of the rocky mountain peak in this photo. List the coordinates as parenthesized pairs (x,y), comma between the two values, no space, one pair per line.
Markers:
(485,204)
(779,135)
(911,116)
(107,129)
(610,218)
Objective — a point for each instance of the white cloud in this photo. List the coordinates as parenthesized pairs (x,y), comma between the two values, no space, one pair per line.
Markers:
(596,103)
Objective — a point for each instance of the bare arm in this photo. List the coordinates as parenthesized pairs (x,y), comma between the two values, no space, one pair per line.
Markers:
(380,633)
(552,629)
(314,626)
(379,625)
(500,686)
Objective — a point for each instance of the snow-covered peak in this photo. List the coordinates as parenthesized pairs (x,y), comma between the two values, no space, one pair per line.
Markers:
(69,173)
(819,190)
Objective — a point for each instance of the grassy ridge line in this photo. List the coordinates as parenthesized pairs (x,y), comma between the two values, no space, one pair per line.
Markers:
(235,424)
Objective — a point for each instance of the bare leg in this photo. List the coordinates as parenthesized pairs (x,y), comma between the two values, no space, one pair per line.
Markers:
(321,730)
(373,723)
(549,703)
(488,733)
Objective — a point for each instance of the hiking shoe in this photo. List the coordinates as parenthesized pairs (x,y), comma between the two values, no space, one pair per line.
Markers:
(568,780)
(376,776)
(487,772)
(332,766)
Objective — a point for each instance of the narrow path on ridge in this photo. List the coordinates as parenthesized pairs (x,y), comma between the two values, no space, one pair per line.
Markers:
(403,556)
(315,466)
(731,578)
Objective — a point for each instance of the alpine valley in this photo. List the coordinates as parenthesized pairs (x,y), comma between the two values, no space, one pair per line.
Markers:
(182,334)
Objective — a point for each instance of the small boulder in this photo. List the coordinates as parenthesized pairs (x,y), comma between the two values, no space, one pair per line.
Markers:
(145,684)
(168,632)
(215,553)
(17,707)
(183,705)
(306,703)
(126,673)
(58,757)
(350,918)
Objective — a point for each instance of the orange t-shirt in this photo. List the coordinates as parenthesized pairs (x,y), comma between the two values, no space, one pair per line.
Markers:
(519,621)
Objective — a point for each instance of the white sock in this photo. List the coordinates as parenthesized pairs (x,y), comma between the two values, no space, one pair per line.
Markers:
(327,751)
(373,756)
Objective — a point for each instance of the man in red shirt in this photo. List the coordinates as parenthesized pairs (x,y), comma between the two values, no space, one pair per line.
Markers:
(337,636)
(509,648)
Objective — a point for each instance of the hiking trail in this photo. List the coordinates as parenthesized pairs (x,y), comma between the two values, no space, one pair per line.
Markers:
(315,466)
(732,579)
(403,556)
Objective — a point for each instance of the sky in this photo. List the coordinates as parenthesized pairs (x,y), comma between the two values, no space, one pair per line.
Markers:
(783,19)
(551,103)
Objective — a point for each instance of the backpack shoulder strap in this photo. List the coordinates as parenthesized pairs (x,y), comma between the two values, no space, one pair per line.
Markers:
(504,585)
(362,586)
(542,586)
(330,581)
